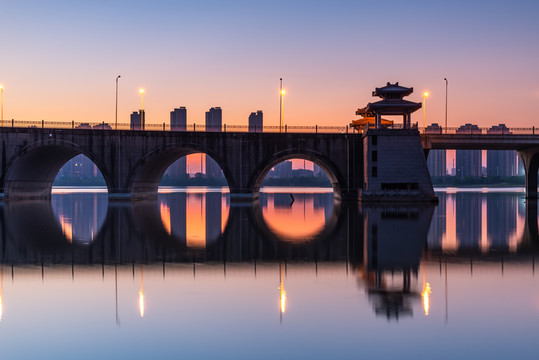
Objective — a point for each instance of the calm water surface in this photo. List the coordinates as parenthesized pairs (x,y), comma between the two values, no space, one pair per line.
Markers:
(190,275)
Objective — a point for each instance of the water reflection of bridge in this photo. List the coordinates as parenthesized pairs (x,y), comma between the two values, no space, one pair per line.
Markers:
(382,245)
(389,237)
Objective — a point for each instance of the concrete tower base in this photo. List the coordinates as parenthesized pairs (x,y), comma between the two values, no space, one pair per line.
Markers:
(395,168)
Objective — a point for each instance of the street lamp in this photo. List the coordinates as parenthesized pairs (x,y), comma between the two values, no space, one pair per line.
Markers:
(425,94)
(446,104)
(2,103)
(141,108)
(116,121)
(281,93)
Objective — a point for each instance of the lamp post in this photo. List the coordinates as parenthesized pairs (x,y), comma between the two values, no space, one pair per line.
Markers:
(2,103)
(281,93)
(446,83)
(425,94)
(116,118)
(141,108)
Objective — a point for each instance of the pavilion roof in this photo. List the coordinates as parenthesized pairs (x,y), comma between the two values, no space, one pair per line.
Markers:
(392,89)
(393,107)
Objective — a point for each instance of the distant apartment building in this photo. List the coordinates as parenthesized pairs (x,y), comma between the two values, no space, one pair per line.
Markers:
(256,122)
(214,119)
(468,162)
(502,163)
(178,119)
(283,169)
(436,161)
(214,122)
(136,122)
(178,122)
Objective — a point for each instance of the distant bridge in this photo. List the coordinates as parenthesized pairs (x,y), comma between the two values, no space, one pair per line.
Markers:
(526,145)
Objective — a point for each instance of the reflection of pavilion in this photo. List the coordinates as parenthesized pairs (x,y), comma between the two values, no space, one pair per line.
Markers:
(395,236)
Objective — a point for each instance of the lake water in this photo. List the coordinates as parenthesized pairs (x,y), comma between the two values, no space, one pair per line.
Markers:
(295,275)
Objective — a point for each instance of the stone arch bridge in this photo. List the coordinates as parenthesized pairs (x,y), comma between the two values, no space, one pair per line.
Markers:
(133,162)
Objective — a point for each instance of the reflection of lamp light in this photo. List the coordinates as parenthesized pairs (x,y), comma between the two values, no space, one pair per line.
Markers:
(282,301)
(141,294)
(425,293)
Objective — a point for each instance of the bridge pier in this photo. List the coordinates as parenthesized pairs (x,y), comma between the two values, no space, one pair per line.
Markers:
(530,159)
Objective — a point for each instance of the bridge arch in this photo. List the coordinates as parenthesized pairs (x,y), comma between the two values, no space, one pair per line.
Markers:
(329,168)
(146,174)
(31,171)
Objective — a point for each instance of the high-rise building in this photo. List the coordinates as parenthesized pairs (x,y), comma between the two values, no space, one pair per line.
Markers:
(437,158)
(214,122)
(178,122)
(501,162)
(469,162)
(135,120)
(178,119)
(256,123)
(214,119)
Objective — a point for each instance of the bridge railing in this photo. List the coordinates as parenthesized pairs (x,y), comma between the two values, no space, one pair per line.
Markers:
(344,129)
(47,124)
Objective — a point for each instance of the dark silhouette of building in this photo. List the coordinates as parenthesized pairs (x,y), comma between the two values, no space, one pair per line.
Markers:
(283,169)
(214,122)
(256,122)
(178,122)
(438,223)
(436,162)
(135,120)
(501,162)
(214,119)
(178,119)
(468,161)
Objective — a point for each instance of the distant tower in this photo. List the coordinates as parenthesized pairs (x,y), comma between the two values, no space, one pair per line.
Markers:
(214,122)
(437,158)
(178,122)
(256,123)
(135,120)
(469,162)
(501,162)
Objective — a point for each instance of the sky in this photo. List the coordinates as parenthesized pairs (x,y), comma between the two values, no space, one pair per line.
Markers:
(59,59)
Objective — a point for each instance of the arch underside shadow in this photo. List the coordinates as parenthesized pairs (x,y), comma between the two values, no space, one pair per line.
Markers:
(336,179)
(30,174)
(143,181)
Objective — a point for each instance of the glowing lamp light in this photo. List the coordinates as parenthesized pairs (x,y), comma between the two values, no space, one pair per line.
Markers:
(425,94)
(141,91)
(283,92)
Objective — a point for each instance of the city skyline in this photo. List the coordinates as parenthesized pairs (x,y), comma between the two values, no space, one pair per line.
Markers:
(65,66)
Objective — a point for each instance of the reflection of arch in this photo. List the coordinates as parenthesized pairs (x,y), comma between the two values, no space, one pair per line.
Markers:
(322,161)
(324,234)
(31,172)
(147,173)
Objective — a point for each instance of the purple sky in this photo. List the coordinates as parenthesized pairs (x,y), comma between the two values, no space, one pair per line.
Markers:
(59,59)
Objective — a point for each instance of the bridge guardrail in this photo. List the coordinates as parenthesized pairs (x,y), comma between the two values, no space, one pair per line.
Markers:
(323,129)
